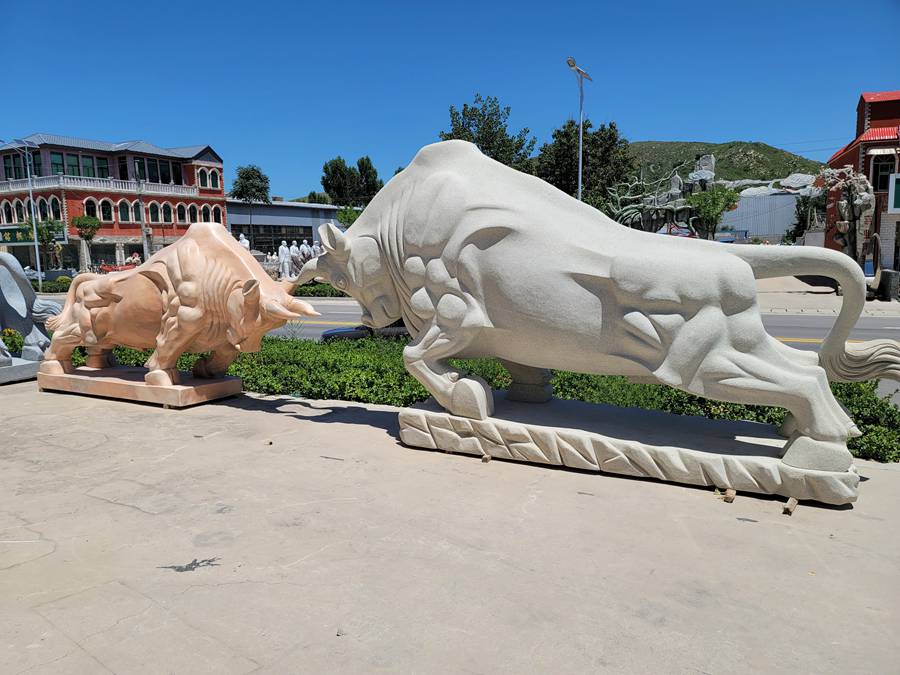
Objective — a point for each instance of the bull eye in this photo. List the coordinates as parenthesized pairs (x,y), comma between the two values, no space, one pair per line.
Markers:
(341,283)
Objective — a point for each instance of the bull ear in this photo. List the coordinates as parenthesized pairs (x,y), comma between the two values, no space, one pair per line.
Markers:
(251,299)
(334,241)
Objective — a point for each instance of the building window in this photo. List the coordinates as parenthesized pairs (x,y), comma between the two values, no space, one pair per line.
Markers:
(882,168)
(37,164)
(202,178)
(12,167)
(214,179)
(176,173)
(56,164)
(136,214)
(124,211)
(20,212)
(123,168)
(167,213)
(217,214)
(181,213)
(102,167)
(106,211)
(8,214)
(90,208)
(154,212)
(193,213)
(87,166)
(152,170)
(205,214)
(165,173)
(141,172)
(43,213)
(54,209)
(72,165)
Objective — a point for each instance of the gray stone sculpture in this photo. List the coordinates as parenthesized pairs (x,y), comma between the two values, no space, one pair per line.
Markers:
(22,311)
(448,246)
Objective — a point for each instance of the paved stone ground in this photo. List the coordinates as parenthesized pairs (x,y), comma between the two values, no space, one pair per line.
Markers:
(294,536)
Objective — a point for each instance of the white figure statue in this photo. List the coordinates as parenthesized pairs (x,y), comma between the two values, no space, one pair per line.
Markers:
(242,240)
(442,247)
(306,252)
(284,261)
(296,259)
(316,249)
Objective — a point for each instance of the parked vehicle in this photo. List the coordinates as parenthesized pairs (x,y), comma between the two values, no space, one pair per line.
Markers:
(395,330)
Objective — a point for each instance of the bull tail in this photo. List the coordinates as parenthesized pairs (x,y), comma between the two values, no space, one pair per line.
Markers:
(54,322)
(842,362)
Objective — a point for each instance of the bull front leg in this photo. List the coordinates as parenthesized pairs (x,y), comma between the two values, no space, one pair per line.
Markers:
(426,360)
(179,328)
(529,384)
(216,364)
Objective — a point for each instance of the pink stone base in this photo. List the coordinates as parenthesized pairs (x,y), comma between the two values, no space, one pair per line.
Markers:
(127,383)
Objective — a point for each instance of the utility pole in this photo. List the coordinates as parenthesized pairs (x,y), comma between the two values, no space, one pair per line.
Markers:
(140,184)
(581,75)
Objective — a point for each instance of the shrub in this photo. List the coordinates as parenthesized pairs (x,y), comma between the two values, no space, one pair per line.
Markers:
(58,285)
(371,371)
(13,340)
(315,290)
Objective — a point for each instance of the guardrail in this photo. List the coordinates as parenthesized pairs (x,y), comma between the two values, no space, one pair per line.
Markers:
(100,184)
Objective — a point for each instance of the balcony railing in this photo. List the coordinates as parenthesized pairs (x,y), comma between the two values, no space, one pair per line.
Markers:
(101,184)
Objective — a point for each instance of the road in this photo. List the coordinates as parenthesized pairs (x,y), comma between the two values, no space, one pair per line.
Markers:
(803,331)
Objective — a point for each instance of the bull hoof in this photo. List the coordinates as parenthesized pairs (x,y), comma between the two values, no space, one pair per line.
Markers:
(56,367)
(162,378)
(803,452)
(472,398)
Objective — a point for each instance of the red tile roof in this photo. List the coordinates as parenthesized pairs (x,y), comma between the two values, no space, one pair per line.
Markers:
(875,96)
(879,134)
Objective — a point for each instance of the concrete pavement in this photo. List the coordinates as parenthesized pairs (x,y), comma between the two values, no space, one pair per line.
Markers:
(283,535)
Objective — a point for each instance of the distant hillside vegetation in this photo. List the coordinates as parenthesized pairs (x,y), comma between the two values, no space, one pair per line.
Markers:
(734,160)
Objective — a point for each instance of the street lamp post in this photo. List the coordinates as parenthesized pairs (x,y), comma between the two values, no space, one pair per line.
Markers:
(140,183)
(29,174)
(581,75)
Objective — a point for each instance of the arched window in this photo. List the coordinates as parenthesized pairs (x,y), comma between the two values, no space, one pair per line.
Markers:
(7,213)
(20,212)
(193,213)
(154,212)
(205,214)
(181,213)
(167,213)
(214,179)
(201,177)
(124,211)
(106,210)
(217,214)
(43,213)
(136,214)
(90,208)
(55,212)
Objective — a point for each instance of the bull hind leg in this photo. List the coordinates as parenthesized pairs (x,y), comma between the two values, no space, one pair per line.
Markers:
(100,357)
(216,364)
(529,384)
(770,375)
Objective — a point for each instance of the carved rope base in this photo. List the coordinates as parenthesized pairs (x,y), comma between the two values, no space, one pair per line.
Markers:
(745,456)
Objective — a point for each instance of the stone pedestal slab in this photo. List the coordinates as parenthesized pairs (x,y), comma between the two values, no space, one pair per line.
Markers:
(19,370)
(745,456)
(127,383)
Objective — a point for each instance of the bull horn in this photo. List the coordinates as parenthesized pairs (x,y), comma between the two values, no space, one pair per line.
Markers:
(334,241)
(307,274)
(251,298)
(301,307)
(276,310)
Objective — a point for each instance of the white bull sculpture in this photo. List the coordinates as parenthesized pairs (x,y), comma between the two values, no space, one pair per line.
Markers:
(481,260)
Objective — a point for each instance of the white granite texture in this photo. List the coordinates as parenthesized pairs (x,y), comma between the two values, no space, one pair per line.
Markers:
(745,456)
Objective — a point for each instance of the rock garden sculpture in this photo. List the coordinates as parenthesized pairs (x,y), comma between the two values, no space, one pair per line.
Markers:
(480,260)
(22,311)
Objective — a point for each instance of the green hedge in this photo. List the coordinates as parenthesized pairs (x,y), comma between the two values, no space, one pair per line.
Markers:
(371,371)
(60,285)
(315,290)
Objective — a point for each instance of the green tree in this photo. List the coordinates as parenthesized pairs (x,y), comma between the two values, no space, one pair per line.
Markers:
(250,185)
(486,124)
(347,215)
(47,231)
(606,160)
(340,181)
(804,212)
(87,227)
(314,198)
(710,205)
(369,183)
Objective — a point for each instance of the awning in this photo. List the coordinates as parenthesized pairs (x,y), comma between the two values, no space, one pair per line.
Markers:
(882,151)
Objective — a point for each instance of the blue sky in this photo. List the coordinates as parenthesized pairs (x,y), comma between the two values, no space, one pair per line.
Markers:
(289,85)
